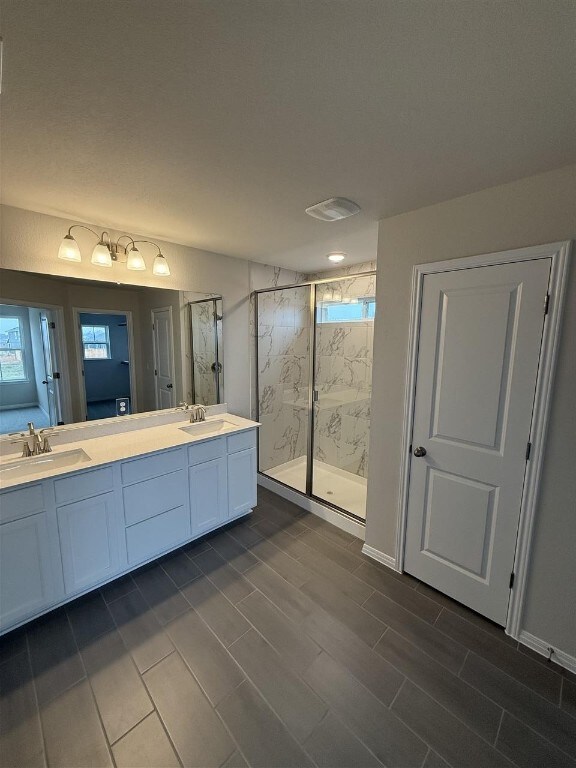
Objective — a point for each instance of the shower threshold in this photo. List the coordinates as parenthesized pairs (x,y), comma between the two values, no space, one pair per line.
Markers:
(336,486)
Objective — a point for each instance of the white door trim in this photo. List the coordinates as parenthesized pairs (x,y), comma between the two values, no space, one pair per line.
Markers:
(560,255)
(61,352)
(76,312)
(155,351)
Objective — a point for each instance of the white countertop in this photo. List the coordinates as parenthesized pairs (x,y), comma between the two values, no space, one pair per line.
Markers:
(119,446)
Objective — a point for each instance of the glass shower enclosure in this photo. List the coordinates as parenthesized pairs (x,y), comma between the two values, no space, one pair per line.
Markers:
(314,382)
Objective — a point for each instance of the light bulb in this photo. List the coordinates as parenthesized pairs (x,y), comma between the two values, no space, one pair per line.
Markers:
(135,260)
(101,255)
(69,250)
(336,257)
(160,266)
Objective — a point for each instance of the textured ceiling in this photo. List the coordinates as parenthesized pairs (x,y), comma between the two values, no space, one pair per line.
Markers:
(216,123)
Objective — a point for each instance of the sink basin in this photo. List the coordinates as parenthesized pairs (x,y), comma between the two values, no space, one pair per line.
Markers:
(45,462)
(212,427)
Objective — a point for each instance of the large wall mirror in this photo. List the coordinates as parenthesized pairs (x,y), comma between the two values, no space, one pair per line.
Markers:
(81,350)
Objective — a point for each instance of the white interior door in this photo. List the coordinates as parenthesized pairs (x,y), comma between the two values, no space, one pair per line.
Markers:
(479,346)
(52,376)
(163,357)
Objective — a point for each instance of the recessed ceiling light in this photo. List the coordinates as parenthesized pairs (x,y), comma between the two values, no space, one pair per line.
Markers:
(336,257)
(333,209)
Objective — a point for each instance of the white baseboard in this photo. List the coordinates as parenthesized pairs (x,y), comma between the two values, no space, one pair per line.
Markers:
(544,648)
(381,557)
(311,505)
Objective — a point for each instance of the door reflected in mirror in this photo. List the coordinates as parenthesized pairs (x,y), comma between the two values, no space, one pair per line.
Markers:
(76,350)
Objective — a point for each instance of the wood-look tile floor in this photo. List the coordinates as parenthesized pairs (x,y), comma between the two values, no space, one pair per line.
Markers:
(277,643)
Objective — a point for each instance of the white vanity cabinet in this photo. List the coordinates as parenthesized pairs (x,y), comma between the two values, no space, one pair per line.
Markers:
(241,473)
(63,536)
(27,579)
(208,485)
(88,528)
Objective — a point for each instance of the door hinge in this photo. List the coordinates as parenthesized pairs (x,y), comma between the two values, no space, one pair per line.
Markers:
(528,451)
(410,449)
(55,375)
(511,584)
(546,303)
(155,372)
(52,325)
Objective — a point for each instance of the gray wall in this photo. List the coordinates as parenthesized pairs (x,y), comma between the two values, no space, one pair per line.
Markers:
(108,379)
(14,394)
(539,209)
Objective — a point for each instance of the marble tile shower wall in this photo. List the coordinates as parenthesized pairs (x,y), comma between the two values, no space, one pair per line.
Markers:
(204,353)
(283,336)
(265,276)
(344,381)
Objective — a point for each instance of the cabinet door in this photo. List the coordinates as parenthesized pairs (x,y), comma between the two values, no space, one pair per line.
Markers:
(241,482)
(208,497)
(26,581)
(89,541)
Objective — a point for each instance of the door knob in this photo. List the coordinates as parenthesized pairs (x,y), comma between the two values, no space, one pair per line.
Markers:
(419,452)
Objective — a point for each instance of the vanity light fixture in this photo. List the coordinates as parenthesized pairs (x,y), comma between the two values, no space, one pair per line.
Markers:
(336,257)
(107,252)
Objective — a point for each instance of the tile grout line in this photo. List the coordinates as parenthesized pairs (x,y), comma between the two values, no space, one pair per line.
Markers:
(33,676)
(463,663)
(160,718)
(540,735)
(88,680)
(109,602)
(515,680)
(498,729)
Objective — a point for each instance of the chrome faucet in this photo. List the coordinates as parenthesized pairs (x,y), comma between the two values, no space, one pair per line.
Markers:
(40,441)
(198,413)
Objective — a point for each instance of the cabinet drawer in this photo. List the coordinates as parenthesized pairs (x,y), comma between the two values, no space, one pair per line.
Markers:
(241,441)
(160,533)
(151,466)
(211,449)
(83,484)
(21,503)
(152,497)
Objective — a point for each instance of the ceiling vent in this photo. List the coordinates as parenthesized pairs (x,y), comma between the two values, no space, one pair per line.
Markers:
(333,209)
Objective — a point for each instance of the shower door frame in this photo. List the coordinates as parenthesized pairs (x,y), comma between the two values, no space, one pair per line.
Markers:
(313,284)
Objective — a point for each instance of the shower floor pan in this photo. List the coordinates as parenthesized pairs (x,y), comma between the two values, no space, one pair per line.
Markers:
(336,486)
